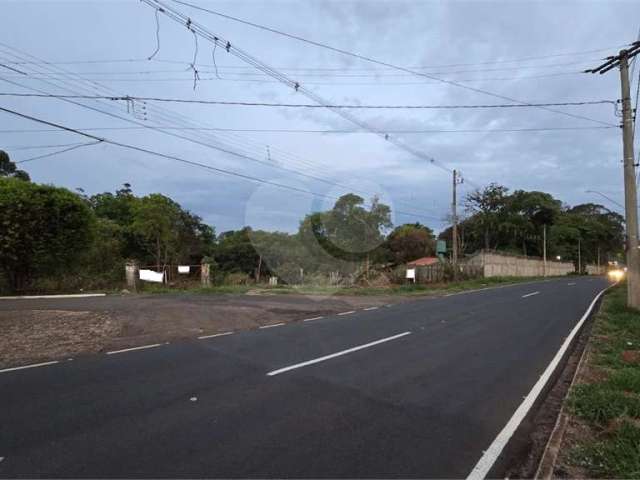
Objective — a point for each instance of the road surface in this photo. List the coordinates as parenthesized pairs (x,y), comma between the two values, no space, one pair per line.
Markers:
(416,389)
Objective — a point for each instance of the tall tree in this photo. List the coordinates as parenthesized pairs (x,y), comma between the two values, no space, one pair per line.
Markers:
(44,230)
(487,205)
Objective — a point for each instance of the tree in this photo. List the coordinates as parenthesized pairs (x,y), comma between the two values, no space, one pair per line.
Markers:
(411,241)
(156,221)
(44,230)
(486,206)
(348,232)
(9,169)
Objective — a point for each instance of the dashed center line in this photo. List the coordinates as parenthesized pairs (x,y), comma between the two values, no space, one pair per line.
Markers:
(273,325)
(214,335)
(571,284)
(337,354)
(371,308)
(311,319)
(530,294)
(143,347)
(347,313)
(33,365)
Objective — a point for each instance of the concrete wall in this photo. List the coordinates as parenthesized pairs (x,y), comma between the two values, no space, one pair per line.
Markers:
(499,265)
(595,270)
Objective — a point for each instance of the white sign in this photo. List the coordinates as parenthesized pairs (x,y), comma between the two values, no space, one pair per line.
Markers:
(151,276)
(411,273)
(183,268)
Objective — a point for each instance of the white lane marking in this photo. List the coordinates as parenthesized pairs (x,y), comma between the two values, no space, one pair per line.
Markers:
(214,335)
(389,305)
(311,319)
(72,295)
(572,283)
(371,308)
(33,365)
(490,455)
(530,294)
(1,459)
(272,325)
(143,347)
(337,354)
(347,313)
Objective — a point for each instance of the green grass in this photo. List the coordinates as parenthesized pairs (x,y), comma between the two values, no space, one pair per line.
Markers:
(610,406)
(404,290)
(616,455)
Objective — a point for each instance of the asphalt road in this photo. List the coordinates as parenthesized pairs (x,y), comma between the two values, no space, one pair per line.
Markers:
(416,389)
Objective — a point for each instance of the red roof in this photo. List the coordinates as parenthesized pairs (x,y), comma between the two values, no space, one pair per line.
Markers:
(421,262)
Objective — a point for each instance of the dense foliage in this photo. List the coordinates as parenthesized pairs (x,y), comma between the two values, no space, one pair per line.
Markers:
(516,223)
(72,241)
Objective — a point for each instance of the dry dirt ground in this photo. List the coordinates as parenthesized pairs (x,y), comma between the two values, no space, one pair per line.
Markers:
(37,330)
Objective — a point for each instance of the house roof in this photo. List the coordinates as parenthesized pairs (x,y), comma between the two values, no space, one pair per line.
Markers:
(421,262)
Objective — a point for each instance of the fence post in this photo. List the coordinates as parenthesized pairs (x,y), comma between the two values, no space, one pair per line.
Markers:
(132,273)
(205,274)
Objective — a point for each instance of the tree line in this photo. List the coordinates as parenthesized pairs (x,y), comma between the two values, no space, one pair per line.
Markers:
(56,239)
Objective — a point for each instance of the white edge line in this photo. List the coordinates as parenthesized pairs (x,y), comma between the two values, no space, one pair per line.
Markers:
(337,354)
(113,352)
(71,295)
(347,313)
(371,308)
(272,325)
(530,294)
(214,335)
(490,455)
(33,365)
(311,319)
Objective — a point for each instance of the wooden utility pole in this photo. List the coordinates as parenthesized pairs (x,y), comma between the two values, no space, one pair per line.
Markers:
(630,195)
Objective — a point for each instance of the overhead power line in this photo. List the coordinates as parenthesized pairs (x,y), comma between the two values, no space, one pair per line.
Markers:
(182,160)
(57,152)
(171,13)
(128,98)
(228,78)
(238,149)
(320,131)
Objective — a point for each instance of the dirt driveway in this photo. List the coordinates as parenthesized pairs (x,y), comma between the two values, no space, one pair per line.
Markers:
(37,330)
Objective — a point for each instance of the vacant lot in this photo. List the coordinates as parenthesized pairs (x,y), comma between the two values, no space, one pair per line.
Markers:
(44,329)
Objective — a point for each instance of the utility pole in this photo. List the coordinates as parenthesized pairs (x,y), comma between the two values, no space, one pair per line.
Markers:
(544,249)
(454,220)
(457,179)
(579,258)
(630,194)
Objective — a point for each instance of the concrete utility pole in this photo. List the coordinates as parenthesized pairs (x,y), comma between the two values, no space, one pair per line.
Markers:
(454,219)
(457,179)
(544,249)
(579,258)
(630,194)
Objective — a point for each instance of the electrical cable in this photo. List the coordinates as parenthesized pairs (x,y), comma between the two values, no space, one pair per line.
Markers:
(178,16)
(176,158)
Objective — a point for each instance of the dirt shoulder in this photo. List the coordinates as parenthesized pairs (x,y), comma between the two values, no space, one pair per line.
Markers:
(47,329)
(37,330)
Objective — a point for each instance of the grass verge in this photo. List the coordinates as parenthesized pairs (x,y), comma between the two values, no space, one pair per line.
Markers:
(403,290)
(605,405)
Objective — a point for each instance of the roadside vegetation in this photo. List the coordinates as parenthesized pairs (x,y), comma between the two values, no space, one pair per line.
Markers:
(54,240)
(605,404)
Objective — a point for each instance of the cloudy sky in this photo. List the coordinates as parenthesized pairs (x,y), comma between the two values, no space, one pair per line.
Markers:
(529,51)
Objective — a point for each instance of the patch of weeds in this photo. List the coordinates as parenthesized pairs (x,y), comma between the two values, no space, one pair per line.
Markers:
(615,456)
(626,379)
